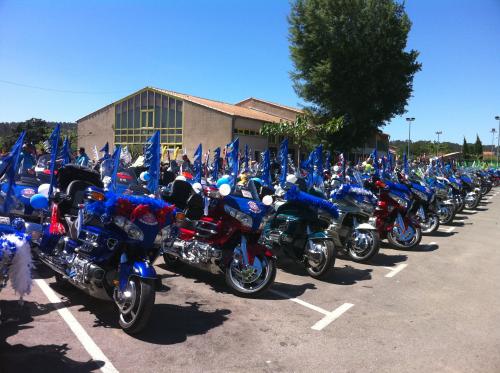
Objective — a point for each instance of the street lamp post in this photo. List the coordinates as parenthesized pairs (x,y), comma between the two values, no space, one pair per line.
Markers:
(409,120)
(493,131)
(498,141)
(437,148)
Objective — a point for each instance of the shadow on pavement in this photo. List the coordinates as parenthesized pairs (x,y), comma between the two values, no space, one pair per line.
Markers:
(456,224)
(385,260)
(341,276)
(170,324)
(442,234)
(291,291)
(38,358)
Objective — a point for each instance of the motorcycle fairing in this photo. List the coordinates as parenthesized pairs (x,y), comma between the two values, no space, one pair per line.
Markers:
(255,209)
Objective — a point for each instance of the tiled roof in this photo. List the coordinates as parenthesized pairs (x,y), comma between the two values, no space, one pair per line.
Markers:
(224,107)
(297,110)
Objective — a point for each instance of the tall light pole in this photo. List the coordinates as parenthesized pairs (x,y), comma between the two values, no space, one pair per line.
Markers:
(498,141)
(409,120)
(493,131)
(437,148)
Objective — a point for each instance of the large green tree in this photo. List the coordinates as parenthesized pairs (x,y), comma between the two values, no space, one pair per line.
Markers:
(465,149)
(350,62)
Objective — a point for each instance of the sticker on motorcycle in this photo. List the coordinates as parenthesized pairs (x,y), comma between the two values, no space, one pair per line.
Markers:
(28,193)
(148,219)
(253,207)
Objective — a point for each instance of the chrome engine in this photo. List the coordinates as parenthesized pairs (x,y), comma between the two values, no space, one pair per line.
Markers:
(196,253)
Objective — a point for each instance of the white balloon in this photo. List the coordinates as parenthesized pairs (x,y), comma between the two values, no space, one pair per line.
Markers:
(180,177)
(267,200)
(225,190)
(336,168)
(44,189)
(291,179)
(144,176)
(197,187)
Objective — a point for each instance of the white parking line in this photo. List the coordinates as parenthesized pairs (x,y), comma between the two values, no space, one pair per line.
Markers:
(332,316)
(429,245)
(94,351)
(395,270)
(329,316)
(447,230)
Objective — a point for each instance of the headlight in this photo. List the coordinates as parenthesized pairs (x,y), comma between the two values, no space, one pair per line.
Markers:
(243,218)
(132,230)
(399,200)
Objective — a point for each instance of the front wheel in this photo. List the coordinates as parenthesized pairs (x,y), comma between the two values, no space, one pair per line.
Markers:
(472,202)
(320,257)
(431,224)
(252,279)
(363,246)
(135,304)
(446,214)
(405,240)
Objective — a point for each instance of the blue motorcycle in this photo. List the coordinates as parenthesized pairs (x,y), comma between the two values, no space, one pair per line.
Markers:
(105,243)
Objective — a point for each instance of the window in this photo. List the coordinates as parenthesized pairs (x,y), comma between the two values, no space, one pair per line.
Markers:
(178,116)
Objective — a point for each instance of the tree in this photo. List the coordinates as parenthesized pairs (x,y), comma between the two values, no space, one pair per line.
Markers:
(465,149)
(478,148)
(350,62)
(303,132)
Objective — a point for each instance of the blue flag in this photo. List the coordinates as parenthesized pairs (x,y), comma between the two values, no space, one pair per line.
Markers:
(12,161)
(65,155)
(328,160)
(54,144)
(115,158)
(152,154)
(197,164)
(105,149)
(318,158)
(266,168)
(283,161)
(216,165)
(405,164)
(375,161)
(246,168)
(232,158)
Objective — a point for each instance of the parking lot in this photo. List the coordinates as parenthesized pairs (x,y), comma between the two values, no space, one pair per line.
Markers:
(430,309)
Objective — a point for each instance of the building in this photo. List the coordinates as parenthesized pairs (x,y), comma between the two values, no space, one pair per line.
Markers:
(183,120)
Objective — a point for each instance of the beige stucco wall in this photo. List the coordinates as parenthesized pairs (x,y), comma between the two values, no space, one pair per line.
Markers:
(270,109)
(256,143)
(96,129)
(205,126)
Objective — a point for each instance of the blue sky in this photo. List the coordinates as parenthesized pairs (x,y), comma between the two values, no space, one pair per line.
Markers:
(98,51)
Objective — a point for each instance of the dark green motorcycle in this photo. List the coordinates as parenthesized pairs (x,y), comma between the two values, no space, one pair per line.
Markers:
(299,228)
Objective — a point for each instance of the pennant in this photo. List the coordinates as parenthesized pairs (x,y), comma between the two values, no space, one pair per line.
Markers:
(405,164)
(54,143)
(12,161)
(328,160)
(283,161)
(152,153)
(266,169)
(96,153)
(105,149)
(232,158)
(375,161)
(197,164)
(176,152)
(115,159)
(215,164)
(65,155)
(246,168)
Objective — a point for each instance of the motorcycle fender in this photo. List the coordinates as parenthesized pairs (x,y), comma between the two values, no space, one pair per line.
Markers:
(144,270)
(366,226)
(412,221)
(318,236)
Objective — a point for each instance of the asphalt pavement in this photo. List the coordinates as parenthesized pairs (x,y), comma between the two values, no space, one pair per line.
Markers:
(435,308)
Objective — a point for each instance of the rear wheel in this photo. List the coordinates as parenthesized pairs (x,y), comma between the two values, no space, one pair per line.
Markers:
(135,304)
(364,245)
(324,258)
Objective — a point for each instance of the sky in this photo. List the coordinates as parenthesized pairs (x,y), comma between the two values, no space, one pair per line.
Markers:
(61,60)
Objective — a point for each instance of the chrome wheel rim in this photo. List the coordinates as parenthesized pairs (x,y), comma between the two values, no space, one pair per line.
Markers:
(249,278)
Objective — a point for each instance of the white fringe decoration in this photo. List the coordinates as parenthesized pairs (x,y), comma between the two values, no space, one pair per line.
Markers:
(21,266)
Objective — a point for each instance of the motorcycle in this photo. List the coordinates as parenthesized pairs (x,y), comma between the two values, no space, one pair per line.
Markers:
(300,229)
(354,230)
(105,243)
(472,192)
(393,220)
(220,234)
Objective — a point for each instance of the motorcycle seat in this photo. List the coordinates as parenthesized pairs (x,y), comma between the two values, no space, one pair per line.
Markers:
(76,195)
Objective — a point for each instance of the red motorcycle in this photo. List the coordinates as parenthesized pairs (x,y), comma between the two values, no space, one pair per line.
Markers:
(392,219)
(220,234)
